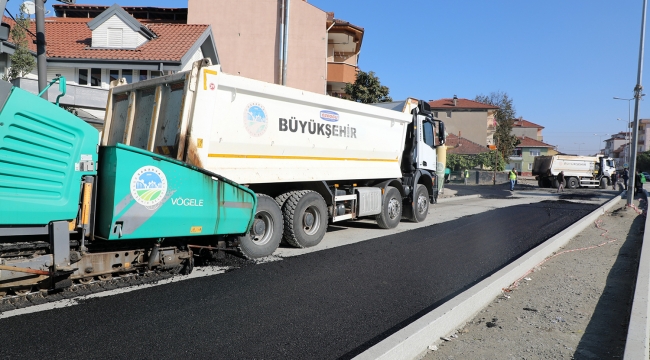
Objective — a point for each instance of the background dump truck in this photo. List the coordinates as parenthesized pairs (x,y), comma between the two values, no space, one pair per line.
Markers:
(310,158)
(579,171)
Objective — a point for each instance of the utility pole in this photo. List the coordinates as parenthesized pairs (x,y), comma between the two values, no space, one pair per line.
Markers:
(638,90)
(41,59)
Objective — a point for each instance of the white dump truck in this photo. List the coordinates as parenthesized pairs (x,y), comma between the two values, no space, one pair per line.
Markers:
(579,171)
(310,158)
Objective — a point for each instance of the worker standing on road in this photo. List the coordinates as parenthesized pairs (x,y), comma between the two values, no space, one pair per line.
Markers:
(638,184)
(614,179)
(513,179)
(466,176)
(626,177)
(560,181)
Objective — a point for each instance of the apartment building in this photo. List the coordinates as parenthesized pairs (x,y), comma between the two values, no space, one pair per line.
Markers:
(466,118)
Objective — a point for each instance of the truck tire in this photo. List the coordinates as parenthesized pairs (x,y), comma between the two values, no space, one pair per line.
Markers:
(603,183)
(572,183)
(420,203)
(540,183)
(391,209)
(305,219)
(266,232)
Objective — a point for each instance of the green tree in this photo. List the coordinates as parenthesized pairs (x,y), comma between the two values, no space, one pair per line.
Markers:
(367,89)
(22,61)
(505,118)
(643,161)
(484,160)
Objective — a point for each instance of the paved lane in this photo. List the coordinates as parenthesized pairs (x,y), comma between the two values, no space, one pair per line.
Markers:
(323,305)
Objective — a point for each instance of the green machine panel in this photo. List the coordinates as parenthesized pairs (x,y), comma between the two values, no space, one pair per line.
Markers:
(44,153)
(146,195)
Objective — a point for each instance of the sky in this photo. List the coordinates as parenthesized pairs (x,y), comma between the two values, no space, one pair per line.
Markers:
(561,61)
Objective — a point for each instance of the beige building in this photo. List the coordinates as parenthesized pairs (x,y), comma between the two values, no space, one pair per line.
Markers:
(528,129)
(468,119)
(249,36)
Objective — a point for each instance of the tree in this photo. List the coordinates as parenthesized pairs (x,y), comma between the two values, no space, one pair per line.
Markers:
(367,89)
(484,160)
(22,61)
(505,118)
(643,161)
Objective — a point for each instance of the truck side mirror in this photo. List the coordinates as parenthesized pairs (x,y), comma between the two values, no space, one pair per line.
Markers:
(424,107)
(441,132)
(4,31)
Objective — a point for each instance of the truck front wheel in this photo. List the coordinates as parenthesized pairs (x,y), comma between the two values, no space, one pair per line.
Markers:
(391,209)
(305,219)
(420,203)
(603,183)
(264,236)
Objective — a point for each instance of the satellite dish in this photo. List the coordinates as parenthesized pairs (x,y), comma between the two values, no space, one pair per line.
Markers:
(29,7)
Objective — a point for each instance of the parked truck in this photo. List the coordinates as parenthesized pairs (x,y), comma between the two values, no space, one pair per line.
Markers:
(311,159)
(579,171)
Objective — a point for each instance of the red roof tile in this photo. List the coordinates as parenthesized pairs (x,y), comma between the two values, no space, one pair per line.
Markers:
(462,146)
(530,142)
(460,104)
(526,124)
(70,38)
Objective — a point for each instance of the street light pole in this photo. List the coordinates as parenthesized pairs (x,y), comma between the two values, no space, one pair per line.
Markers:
(637,97)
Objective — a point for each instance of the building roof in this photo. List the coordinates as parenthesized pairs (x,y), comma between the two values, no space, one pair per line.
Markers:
(72,39)
(526,141)
(142,13)
(445,104)
(462,146)
(525,124)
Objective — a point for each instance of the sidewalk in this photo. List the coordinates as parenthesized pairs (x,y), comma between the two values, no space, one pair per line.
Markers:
(574,305)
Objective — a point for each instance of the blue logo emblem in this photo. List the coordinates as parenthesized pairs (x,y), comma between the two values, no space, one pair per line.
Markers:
(149,186)
(255,120)
(329,115)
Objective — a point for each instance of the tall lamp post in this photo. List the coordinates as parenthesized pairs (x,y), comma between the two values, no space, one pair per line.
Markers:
(628,134)
(600,138)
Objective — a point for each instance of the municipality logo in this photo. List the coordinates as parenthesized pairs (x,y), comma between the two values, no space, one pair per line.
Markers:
(149,186)
(255,119)
(329,115)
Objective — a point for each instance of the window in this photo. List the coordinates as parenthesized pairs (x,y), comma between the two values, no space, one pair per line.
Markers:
(128,75)
(156,73)
(113,75)
(95,77)
(516,152)
(115,37)
(530,166)
(435,114)
(448,114)
(427,134)
(534,152)
(143,75)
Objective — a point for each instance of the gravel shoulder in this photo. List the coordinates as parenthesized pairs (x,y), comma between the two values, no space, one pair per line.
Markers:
(575,305)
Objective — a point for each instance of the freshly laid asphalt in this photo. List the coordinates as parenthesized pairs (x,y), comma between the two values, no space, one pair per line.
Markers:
(324,305)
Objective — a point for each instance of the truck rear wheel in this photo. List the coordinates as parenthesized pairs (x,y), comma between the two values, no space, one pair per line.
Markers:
(420,203)
(572,183)
(391,209)
(266,232)
(305,219)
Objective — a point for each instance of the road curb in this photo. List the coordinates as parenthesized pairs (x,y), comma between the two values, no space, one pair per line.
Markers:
(455,198)
(638,331)
(412,341)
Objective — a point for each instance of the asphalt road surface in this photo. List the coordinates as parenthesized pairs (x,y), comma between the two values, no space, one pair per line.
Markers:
(323,305)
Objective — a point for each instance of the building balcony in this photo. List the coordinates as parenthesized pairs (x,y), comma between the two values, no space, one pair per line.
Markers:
(76,95)
(341,72)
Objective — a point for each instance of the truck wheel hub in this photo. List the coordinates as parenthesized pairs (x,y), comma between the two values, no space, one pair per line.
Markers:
(259,227)
(309,220)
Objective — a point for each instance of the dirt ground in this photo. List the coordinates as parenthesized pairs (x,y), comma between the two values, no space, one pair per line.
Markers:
(575,305)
